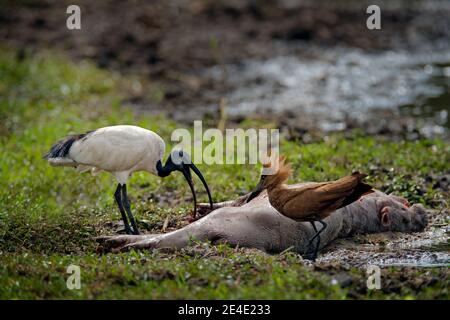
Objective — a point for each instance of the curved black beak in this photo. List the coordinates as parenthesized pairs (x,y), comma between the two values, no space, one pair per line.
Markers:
(187,174)
(199,174)
(188,177)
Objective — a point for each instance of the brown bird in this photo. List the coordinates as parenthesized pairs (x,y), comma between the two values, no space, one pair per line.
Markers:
(311,201)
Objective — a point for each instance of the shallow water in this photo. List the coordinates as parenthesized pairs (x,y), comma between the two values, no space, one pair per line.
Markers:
(414,259)
(404,258)
(333,85)
(423,249)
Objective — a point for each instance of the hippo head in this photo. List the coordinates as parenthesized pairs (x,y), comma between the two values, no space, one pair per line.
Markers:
(403,218)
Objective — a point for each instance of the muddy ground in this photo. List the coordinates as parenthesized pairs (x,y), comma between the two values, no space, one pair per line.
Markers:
(172,44)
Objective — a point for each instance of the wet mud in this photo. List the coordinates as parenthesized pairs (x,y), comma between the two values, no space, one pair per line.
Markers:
(308,65)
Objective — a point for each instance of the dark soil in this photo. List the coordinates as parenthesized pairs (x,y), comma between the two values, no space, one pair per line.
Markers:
(170,42)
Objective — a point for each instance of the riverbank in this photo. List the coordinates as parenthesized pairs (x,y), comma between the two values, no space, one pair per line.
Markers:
(50,216)
(310,66)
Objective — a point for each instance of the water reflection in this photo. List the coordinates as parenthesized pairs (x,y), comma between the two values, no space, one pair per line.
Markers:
(334,85)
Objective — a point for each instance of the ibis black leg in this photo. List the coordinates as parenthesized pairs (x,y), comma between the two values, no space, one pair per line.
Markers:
(317,235)
(118,197)
(126,204)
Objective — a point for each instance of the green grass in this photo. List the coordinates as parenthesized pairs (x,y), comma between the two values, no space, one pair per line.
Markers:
(49,216)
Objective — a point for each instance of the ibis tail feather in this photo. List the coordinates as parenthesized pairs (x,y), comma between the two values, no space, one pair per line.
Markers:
(58,154)
(62,162)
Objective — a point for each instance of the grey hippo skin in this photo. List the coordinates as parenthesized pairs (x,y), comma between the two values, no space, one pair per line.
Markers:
(258,225)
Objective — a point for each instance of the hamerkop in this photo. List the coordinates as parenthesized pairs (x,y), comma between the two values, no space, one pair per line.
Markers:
(312,201)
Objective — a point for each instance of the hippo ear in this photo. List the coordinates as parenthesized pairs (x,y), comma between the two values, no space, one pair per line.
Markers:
(385,218)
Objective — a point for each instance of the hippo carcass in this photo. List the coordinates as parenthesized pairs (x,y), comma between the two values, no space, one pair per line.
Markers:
(257,224)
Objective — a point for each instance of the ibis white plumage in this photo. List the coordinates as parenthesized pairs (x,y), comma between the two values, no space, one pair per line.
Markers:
(122,150)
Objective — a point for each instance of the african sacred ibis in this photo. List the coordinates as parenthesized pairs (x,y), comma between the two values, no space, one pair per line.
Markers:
(312,201)
(122,150)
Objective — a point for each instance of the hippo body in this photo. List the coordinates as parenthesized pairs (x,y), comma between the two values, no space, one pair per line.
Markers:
(257,224)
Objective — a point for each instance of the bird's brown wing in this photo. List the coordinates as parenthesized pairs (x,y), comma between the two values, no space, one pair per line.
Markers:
(320,199)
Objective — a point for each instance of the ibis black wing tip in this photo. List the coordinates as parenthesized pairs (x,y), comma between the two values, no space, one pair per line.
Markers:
(61,148)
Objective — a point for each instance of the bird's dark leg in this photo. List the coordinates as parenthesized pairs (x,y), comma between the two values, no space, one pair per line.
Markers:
(126,204)
(312,222)
(118,197)
(317,235)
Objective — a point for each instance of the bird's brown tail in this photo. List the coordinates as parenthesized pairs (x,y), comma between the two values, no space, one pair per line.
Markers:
(355,186)
(360,190)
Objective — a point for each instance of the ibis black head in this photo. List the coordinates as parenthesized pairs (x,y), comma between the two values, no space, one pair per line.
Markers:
(181,161)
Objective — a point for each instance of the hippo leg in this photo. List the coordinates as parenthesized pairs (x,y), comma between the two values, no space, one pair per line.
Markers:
(109,243)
